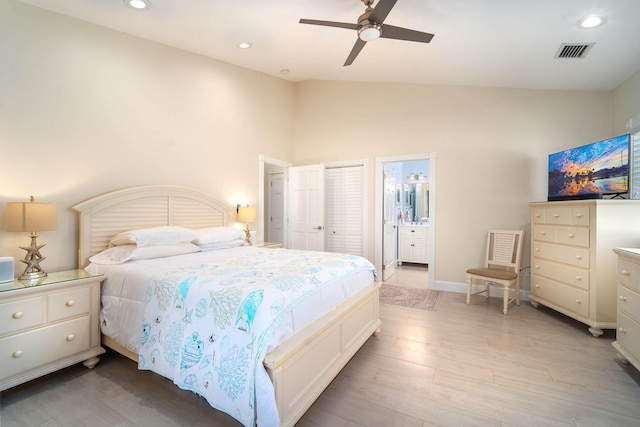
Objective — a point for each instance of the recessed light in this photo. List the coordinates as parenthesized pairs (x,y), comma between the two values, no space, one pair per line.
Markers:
(138,4)
(244,45)
(592,21)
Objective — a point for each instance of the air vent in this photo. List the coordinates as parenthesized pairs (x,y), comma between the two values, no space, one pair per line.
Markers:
(573,50)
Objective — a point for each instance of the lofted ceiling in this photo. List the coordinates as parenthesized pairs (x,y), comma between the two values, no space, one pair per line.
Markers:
(495,43)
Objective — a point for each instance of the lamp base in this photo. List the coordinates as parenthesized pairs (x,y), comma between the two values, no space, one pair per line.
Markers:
(247,235)
(32,258)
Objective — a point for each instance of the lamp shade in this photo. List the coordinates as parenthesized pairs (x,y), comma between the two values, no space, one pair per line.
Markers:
(246,214)
(31,216)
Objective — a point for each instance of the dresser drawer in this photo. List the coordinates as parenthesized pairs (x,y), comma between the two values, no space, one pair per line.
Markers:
(575,276)
(573,236)
(545,233)
(629,274)
(562,215)
(578,257)
(629,302)
(573,299)
(628,334)
(23,314)
(62,305)
(22,352)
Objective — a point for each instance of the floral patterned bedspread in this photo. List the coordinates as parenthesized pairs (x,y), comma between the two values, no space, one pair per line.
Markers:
(207,322)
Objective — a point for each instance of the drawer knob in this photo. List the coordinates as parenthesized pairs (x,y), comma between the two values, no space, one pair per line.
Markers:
(626,273)
(571,235)
(17,314)
(623,298)
(578,301)
(537,267)
(537,286)
(537,249)
(17,353)
(622,330)
(555,215)
(70,303)
(578,277)
(544,233)
(71,337)
(579,215)
(578,256)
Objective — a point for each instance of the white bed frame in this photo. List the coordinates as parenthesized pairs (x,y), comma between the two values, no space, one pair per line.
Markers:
(303,366)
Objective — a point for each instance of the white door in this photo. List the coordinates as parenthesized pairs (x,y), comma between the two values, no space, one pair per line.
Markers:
(389,228)
(306,208)
(275,213)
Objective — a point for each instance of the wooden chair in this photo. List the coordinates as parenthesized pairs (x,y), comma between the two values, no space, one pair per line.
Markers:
(502,266)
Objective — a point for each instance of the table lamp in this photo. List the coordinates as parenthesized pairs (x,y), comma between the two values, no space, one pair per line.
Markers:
(31,217)
(246,215)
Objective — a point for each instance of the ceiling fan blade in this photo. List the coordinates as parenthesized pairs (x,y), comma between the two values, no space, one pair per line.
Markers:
(381,10)
(330,24)
(398,33)
(354,52)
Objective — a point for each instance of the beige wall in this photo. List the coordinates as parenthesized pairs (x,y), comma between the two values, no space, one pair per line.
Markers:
(491,148)
(626,103)
(85,110)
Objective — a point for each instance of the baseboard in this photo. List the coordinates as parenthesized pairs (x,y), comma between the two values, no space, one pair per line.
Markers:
(494,291)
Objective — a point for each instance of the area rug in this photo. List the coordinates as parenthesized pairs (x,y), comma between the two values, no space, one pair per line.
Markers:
(425,299)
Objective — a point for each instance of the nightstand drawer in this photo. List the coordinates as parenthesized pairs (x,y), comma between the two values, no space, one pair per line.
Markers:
(629,274)
(71,303)
(23,314)
(629,302)
(22,352)
(628,333)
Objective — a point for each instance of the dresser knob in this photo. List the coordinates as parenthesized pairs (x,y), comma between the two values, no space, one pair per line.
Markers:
(17,314)
(623,298)
(578,278)
(17,354)
(622,330)
(71,337)
(626,273)
(555,215)
(578,256)
(537,267)
(537,250)
(579,215)
(571,235)
(537,286)
(544,233)
(578,301)
(70,303)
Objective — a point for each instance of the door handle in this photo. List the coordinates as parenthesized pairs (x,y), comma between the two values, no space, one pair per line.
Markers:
(319,228)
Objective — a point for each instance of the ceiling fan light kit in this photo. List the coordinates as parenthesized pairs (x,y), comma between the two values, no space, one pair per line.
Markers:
(371,26)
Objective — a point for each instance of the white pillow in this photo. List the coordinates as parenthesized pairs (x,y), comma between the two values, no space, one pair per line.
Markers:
(123,253)
(217,234)
(166,235)
(222,245)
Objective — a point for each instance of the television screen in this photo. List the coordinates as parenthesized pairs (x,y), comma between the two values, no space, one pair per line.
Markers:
(590,171)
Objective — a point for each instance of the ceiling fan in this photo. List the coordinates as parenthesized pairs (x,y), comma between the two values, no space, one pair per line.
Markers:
(371,26)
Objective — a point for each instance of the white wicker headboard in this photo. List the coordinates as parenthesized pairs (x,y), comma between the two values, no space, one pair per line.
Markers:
(105,216)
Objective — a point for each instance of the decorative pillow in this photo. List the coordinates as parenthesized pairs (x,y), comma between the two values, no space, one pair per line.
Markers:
(217,234)
(123,253)
(222,245)
(166,235)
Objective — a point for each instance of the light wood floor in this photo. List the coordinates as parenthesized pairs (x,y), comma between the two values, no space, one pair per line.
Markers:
(460,366)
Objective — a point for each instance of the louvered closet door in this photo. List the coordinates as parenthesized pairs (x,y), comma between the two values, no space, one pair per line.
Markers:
(344,209)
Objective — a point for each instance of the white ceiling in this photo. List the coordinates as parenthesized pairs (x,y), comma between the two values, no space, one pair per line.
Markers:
(496,43)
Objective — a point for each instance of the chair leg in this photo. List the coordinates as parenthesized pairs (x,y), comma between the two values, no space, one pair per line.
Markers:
(505,303)
(518,291)
(469,283)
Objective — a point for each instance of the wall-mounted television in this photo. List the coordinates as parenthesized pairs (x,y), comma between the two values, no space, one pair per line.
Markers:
(590,171)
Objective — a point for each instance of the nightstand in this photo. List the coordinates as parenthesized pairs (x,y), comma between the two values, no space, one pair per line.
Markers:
(271,245)
(48,324)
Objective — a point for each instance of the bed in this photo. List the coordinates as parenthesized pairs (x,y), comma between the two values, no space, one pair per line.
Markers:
(302,354)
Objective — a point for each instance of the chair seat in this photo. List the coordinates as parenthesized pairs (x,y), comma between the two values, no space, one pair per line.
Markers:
(493,273)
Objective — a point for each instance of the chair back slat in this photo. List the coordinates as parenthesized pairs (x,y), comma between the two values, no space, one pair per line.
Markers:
(504,248)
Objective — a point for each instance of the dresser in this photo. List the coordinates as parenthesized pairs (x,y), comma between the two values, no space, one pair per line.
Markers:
(628,332)
(573,266)
(412,244)
(48,324)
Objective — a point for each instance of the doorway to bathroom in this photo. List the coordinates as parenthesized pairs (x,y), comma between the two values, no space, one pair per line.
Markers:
(405,219)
